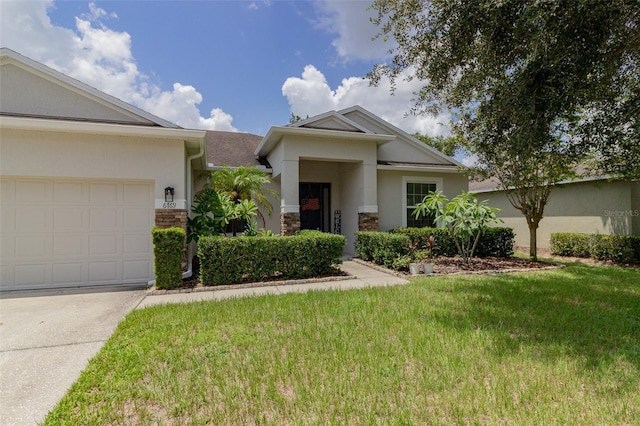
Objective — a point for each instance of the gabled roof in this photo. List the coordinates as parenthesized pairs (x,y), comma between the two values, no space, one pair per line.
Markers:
(354,123)
(367,116)
(80,91)
(331,120)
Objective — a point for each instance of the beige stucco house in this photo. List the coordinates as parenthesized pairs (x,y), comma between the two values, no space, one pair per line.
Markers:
(83,177)
(591,205)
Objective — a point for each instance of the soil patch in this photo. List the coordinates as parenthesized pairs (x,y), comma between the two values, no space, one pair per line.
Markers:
(452,265)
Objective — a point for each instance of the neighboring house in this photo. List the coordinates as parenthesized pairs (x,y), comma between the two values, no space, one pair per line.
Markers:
(591,205)
(83,177)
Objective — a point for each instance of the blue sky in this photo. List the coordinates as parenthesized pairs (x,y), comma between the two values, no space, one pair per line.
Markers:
(222,65)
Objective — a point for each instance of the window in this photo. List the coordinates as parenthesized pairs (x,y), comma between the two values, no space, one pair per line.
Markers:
(414,191)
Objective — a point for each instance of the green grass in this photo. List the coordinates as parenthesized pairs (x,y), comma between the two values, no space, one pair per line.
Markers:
(557,347)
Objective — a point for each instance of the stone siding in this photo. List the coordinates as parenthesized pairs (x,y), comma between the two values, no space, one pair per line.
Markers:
(289,223)
(367,221)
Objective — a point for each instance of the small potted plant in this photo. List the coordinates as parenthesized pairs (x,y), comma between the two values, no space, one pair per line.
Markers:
(415,257)
(429,252)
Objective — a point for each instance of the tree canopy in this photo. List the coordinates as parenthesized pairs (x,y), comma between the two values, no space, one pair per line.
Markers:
(536,87)
(535,70)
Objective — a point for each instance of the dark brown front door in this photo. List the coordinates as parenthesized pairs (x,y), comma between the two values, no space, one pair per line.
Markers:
(315,208)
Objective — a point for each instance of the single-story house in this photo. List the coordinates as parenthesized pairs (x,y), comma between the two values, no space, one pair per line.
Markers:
(590,205)
(85,177)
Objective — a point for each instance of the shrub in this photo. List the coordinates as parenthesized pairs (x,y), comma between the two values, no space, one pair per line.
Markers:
(382,248)
(463,216)
(168,247)
(617,248)
(570,244)
(234,260)
(496,241)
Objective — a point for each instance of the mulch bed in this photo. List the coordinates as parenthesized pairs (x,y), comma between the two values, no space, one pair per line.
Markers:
(451,265)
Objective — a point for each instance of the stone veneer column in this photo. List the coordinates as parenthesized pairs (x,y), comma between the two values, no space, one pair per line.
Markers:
(367,221)
(168,218)
(289,223)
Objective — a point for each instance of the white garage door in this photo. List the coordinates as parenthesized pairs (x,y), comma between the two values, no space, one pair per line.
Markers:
(61,232)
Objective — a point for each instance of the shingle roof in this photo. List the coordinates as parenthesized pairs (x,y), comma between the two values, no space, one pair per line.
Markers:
(232,148)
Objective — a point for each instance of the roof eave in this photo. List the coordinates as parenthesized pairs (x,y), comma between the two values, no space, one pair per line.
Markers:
(275,134)
(65,126)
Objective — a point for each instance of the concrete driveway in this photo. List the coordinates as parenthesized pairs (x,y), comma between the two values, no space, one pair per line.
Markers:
(46,340)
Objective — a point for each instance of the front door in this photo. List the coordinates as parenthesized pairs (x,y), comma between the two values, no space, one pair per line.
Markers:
(315,208)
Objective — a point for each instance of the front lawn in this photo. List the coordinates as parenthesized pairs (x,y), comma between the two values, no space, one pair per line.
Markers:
(556,347)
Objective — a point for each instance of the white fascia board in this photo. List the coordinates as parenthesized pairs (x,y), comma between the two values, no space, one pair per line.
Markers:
(275,134)
(421,169)
(64,126)
(82,88)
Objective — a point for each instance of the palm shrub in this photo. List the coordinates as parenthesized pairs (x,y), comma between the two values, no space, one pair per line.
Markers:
(243,184)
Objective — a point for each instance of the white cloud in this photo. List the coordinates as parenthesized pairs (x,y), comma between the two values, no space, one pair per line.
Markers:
(100,57)
(351,22)
(311,94)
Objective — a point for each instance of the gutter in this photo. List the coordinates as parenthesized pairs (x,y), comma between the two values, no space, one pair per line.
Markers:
(189,186)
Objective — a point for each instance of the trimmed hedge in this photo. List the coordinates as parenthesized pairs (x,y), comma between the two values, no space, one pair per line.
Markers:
(168,247)
(382,248)
(616,248)
(494,241)
(234,260)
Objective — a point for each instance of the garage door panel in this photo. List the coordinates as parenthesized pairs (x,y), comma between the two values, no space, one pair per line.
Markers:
(32,192)
(31,246)
(135,270)
(69,273)
(103,244)
(103,219)
(68,192)
(103,193)
(137,218)
(69,245)
(136,244)
(7,190)
(68,218)
(32,218)
(7,215)
(61,232)
(31,275)
(103,272)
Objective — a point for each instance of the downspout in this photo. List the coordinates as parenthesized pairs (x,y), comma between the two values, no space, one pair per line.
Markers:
(189,189)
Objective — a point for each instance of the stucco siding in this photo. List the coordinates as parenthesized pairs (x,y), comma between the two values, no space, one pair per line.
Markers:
(49,154)
(295,148)
(587,207)
(27,93)
(390,202)
(403,152)
(351,197)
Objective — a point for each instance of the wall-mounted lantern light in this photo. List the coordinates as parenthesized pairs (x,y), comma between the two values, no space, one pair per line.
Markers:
(168,194)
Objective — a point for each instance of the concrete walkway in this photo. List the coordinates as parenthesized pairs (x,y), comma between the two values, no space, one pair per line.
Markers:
(363,276)
(48,337)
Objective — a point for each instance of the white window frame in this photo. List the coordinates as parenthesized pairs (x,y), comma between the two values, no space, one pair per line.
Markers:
(415,179)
